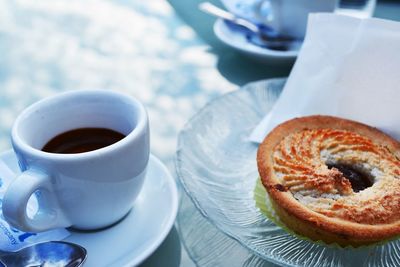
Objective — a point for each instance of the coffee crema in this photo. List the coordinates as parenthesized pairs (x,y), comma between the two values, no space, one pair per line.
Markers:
(82,140)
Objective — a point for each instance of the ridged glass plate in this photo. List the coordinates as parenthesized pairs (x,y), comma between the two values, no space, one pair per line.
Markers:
(217,167)
(209,247)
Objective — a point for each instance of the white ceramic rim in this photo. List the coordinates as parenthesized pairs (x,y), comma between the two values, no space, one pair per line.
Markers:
(171,220)
(140,126)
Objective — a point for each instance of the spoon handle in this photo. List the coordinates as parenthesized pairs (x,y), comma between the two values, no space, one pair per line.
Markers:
(221,13)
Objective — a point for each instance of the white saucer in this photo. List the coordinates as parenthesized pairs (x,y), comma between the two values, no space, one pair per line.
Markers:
(238,40)
(139,234)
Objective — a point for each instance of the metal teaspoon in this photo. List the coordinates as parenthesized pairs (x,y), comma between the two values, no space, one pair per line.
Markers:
(53,253)
(261,37)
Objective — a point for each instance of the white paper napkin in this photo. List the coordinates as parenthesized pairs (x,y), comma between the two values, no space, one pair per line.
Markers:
(347,67)
(12,239)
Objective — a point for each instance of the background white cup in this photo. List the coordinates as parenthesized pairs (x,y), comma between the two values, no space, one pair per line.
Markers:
(289,17)
(87,190)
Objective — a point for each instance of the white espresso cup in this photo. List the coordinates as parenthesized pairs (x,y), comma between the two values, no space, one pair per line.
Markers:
(289,17)
(88,190)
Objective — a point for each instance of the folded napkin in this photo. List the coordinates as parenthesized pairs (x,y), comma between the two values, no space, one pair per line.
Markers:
(347,67)
(12,239)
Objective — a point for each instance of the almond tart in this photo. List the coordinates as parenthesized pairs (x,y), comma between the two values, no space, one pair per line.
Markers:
(333,179)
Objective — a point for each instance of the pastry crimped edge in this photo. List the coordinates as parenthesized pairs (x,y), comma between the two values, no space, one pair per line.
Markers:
(305,221)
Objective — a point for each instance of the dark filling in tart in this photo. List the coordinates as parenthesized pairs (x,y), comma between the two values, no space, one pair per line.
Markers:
(359,180)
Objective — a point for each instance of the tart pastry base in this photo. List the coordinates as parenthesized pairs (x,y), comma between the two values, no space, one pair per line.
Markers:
(315,199)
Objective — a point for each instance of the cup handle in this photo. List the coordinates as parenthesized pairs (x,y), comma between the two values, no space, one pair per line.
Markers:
(15,201)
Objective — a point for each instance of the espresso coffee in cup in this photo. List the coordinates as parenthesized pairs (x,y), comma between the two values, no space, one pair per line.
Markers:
(82,140)
(86,152)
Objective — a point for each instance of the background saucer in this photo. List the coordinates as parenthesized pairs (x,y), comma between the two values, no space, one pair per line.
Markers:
(138,235)
(246,9)
(237,40)
(217,167)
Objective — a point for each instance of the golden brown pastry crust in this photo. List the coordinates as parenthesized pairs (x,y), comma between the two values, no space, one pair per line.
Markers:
(319,202)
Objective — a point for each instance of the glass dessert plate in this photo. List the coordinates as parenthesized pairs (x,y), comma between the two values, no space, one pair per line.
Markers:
(217,167)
